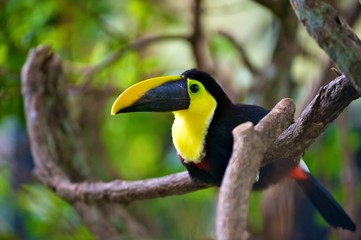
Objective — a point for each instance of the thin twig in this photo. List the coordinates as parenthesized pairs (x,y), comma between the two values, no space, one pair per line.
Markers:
(241,52)
(116,55)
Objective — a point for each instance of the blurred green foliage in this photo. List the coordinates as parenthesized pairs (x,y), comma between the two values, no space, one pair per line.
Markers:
(43,215)
(45,219)
(136,146)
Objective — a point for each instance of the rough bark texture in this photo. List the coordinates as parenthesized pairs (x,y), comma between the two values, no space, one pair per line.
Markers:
(44,96)
(56,150)
(329,102)
(251,143)
(333,35)
(127,191)
(41,74)
(43,69)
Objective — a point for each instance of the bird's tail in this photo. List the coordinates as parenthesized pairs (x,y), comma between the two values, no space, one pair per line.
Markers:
(323,201)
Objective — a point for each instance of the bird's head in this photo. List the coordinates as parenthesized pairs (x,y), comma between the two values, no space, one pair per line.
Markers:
(193,98)
(170,94)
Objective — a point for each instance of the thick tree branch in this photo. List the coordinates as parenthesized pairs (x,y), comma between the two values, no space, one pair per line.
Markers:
(333,35)
(40,67)
(48,118)
(342,45)
(250,146)
(128,191)
(55,150)
(42,74)
(350,14)
(329,102)
(43,71)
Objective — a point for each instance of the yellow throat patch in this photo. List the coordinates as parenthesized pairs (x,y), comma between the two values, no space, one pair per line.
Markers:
(190,126)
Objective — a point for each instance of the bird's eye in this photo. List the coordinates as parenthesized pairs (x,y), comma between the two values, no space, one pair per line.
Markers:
(194,88)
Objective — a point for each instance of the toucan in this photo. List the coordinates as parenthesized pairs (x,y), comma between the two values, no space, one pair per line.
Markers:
(202,134)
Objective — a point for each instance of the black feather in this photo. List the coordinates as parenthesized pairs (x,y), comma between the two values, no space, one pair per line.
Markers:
(219,146)
(323,201)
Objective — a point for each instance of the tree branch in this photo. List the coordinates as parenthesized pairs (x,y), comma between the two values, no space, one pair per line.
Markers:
(333,35)
(329,102)
(342,45)
(52,137)
(128,191)
(241,52)
(42,74)
(250,146)
(198,40)
(136,45)
(41,67)
(43,70)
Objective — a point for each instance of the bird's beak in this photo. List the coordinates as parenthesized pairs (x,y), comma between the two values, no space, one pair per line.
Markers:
(160,94)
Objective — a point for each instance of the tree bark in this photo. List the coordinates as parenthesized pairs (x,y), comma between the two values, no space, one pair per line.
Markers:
(250,146)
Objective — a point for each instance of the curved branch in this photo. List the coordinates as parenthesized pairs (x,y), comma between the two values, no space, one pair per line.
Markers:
(42,72)
(44,87)
(44,94)
(44,90)
(35,83)
(128,191)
